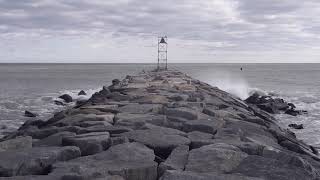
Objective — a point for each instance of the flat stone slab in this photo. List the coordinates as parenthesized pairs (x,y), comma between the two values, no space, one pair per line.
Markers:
(141,108)
(267,168)
(187,175)
(132,161)
(206,126)
(90,143)
(113,108)
(136,121)
(182,112)
(16,144)
(77,119)
(34,161)
(54,140)
(216,158)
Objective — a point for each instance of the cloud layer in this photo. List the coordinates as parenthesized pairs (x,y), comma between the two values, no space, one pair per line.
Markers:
(198,30)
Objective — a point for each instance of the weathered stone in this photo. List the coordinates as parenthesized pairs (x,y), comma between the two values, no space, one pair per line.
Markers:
(132,161)
(29,114)
(67,98)
(199,139)
(136,121)
(219,158)
(40,133)
(117,96)
(160,141)
(113,108)
(176,122)
(296,126)
(141,108)
(220,113)
(289,158)
(79,118)
(90,143)
(152,99)
(31,177)
(206,126)
(31,122)
(176,161)
(82,92)
(85,124)
(164,130)
(182,112)
(59,103)
(53,140)
(269,168)
(118,140)
(16,144)
(187,175)
(34,161)
(292,146)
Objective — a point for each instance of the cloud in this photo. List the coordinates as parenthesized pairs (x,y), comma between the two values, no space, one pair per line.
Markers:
(227,28)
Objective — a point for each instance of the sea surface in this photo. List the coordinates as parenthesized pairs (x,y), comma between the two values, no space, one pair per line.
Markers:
(34,87)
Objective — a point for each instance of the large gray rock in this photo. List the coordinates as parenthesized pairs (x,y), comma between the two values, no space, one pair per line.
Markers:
(109,108)
(176,122)
(118,140)
(199,139)
(160,141)
(85,124)
(269,168)
(136,121)
(182,112)
(66,97)
(141,108)
(34,161)
(187,175)
(250,132)
(289,158)
(79,118)
(164,130)
(54,140)
(16,144)
(206,126)
(132,161)
(292,146)
(221,113)
(90,143)
(219,158)
(176,161)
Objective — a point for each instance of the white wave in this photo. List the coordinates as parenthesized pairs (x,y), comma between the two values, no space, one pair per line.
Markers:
(232,83)
(76,97)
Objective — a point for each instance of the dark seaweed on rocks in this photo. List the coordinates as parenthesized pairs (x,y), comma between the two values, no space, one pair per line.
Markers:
(160,125)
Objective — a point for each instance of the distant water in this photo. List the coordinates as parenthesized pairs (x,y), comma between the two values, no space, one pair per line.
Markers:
(34,87)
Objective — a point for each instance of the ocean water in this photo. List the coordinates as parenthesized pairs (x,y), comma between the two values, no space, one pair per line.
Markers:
(34,87)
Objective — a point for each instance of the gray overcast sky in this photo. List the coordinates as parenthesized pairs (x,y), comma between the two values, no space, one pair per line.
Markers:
(127,30)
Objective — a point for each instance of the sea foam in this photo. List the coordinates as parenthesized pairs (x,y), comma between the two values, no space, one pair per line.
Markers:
(232,83)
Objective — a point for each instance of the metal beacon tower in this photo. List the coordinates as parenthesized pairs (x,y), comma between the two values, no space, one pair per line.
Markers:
(162,53)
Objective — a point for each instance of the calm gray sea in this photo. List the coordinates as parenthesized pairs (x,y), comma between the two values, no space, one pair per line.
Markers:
(34,87)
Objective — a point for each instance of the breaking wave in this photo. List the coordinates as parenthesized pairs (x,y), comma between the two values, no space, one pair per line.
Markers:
(232,83)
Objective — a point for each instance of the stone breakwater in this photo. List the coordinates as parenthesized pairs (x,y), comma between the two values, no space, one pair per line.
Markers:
(157,125)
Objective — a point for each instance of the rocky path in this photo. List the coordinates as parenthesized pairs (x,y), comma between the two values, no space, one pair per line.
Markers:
(157,125)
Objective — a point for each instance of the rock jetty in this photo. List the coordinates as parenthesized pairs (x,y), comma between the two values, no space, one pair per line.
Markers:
(157,125)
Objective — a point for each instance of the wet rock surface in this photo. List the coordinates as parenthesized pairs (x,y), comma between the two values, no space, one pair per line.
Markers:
(160,125)
(273,105)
